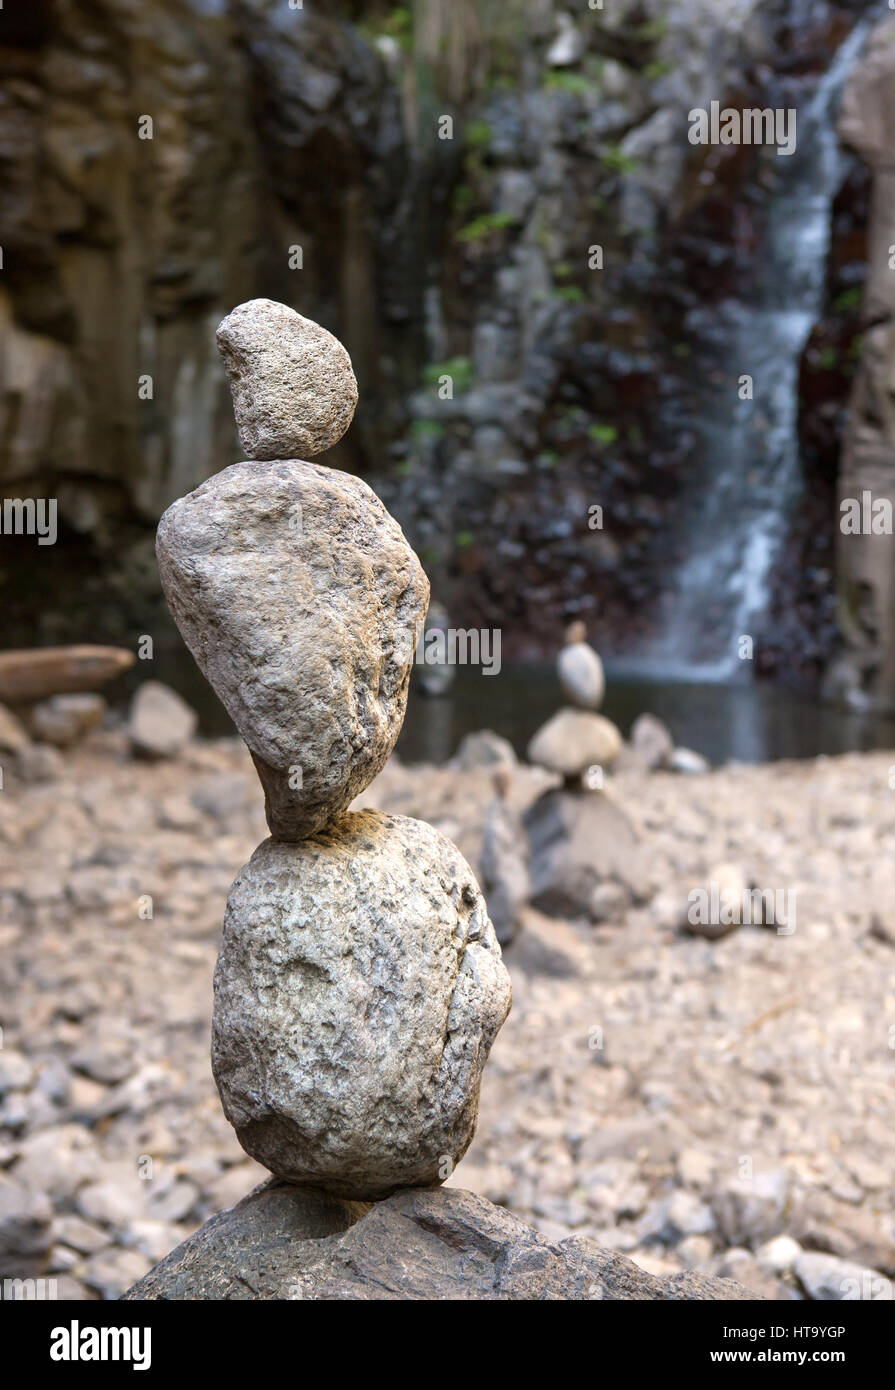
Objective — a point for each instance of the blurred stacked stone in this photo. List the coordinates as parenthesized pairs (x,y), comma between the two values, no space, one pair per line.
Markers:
(360,985)
(504,859)
(577,742)
(586,861)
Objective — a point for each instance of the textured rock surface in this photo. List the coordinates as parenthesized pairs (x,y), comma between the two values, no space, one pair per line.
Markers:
(574,740)
(281,1242)
(294,392)
(358,991)
(569,1139)
(296,592)
(827,1279)
(63,719)
(579,842)
(25,1234)
(37,762)
(866,669)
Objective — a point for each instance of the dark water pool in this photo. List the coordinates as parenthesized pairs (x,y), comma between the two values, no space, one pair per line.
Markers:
(750,723)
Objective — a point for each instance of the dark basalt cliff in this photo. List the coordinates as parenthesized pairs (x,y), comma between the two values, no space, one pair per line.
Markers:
(297,154)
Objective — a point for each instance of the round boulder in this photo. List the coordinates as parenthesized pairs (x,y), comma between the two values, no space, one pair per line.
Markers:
(301,602)
(357,994)
(161,723)
(573,741)
(293,386)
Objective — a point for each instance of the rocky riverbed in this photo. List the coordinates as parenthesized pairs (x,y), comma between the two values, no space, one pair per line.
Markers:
(722,1105)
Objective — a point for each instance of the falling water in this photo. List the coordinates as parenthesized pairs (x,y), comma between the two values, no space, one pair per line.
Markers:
(735,526)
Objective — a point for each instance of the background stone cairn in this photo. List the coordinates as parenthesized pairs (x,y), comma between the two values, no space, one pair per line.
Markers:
(359,985)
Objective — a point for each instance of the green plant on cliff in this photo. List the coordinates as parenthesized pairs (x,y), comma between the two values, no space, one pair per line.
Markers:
(652,30)
(423,430)
(826,360)
(573,82)
(658,68)
(477,134)
(462,199)
(397,25)
(459,369)
(566,294)
(399,22)
(569,294)
(615,159)
(848,299)
(482,227)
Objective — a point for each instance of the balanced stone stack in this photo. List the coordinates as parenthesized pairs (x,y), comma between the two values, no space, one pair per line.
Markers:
(360,984)
(577,741)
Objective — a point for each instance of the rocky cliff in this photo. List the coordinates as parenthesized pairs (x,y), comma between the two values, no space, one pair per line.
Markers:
(865,670)
(495,206)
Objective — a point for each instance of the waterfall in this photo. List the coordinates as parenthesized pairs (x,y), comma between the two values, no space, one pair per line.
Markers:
(749,479)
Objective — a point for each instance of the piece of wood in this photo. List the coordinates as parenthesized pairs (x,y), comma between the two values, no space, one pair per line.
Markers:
(34,673)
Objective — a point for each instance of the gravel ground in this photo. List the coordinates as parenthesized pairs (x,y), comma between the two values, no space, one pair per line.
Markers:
(724,1105)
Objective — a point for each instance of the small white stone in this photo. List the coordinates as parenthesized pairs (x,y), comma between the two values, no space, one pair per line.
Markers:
(580,673)
(779,1255)
(688,762)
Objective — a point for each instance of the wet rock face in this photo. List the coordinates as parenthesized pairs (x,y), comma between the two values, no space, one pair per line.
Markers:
(864,672)
(173,209)
(358,992)
(281,106)
(234,152)
(293,387)
(296,591)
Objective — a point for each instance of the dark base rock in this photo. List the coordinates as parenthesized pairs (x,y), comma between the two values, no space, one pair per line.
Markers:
(284,1242)
(581,841)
